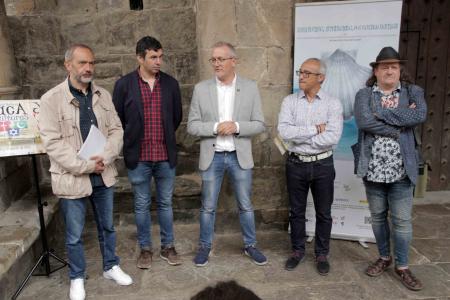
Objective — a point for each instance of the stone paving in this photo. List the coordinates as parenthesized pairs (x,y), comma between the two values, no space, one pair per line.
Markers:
(429,257)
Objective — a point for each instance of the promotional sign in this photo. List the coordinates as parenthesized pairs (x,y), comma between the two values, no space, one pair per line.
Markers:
(347,36)
(19,134)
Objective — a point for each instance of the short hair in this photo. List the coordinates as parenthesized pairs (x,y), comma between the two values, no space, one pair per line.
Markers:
(322,65)
(228,45)
(69,52)
(225,290)
(147,43)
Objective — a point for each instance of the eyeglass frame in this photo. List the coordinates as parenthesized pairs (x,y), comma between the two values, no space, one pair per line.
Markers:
(306,74)
(219,60)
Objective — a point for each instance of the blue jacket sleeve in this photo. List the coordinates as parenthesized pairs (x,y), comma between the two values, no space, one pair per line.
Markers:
(406,116)
(365,117)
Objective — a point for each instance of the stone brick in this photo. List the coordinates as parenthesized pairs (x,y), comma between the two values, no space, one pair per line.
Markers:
(108,70)
(108,5)
(129,63)
(19,7)
(120,35)
(43,6)
(80,7)
(35,35)
(186,65)
(252,63)
(176,28)
(216,21)
(158,4)
(264,22)
(107,83)
(279,64)
(84,29)
(186,95)
(41,69)
(271,98)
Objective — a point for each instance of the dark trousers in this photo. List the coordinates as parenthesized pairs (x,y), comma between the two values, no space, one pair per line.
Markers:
(319,177)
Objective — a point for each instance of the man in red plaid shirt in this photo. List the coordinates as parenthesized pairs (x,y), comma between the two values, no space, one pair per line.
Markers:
(148,102)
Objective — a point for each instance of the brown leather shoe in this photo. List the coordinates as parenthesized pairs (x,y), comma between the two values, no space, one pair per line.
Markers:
(170,255)
(409,280)
(378,267)
(145,259)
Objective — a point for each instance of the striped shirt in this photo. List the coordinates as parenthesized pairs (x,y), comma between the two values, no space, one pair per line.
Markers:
(298,119)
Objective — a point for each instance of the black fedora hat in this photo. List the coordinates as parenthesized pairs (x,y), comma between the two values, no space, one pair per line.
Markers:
(387,55)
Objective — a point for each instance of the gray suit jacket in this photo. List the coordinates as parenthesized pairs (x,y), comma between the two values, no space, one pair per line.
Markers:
(204,114)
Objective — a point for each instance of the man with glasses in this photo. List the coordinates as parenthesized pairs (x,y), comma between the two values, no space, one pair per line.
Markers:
(310,122)
(148,102)
(225,113)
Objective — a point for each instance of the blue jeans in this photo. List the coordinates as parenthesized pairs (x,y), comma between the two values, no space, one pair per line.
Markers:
(398,198)
(140,179)
(317,176)
(211,183)
(74,212)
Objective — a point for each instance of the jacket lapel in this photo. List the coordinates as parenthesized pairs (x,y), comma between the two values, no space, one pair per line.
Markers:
(214,99)
(237,98)
(136,94)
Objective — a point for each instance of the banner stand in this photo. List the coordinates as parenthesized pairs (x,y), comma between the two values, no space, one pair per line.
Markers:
(44,259)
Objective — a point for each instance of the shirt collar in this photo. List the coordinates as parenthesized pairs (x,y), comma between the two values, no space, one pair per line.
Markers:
(74,90)
(376,88)
(221,84)
(157,76)
(319,94)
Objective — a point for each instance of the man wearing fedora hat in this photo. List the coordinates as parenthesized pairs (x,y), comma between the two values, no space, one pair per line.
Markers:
(386,112)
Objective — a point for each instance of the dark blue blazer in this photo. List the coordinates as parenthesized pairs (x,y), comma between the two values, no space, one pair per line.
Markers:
(128,103)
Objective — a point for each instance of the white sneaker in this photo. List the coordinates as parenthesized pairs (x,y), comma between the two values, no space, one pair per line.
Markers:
(77,289)
(119,276)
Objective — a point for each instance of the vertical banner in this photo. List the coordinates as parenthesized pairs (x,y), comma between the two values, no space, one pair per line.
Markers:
(347,36)
(19,133)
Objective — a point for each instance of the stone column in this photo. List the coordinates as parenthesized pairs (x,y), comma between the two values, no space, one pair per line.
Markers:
(9,88)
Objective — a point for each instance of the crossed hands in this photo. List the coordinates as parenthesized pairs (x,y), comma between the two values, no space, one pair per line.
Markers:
(320,128)
(226,128)
(99,165)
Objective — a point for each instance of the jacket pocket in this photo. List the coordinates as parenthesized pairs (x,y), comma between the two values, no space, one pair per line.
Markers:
(67,125)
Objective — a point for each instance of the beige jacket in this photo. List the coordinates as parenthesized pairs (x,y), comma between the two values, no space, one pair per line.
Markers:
(59,125)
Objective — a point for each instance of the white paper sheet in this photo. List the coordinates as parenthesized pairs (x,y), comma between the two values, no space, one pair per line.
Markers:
(93,145)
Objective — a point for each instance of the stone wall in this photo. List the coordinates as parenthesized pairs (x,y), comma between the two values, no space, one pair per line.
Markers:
(261,30)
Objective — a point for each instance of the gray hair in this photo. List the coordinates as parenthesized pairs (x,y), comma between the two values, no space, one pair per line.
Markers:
(322,65)
(228,45)
(69,52)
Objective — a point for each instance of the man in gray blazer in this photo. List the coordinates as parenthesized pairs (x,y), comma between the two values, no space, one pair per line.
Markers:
(225,113)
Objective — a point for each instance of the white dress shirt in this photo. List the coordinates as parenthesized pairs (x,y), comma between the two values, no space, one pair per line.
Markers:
(298,119)
(225,100)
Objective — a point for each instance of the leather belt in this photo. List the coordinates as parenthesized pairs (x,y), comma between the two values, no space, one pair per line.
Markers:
(313,157)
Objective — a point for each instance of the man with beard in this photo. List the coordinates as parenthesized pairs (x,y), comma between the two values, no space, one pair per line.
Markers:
(67,113)
(148,102)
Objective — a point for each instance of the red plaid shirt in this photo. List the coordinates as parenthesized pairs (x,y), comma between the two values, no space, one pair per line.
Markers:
(153,144)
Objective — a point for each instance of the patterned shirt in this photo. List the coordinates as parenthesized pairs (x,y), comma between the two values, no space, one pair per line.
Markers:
(298,119)
(153,144)
(386,163)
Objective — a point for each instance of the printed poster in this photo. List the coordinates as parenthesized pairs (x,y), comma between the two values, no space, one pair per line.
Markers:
(347,36)
(19,134)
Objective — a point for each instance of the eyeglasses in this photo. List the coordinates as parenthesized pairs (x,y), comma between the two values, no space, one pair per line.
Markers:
(219,60)
(305,74)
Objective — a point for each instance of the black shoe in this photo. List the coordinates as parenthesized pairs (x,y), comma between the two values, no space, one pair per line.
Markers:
(322,264)
(293,260)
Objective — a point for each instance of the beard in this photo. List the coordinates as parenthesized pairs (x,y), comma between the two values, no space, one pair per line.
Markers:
(84,79)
